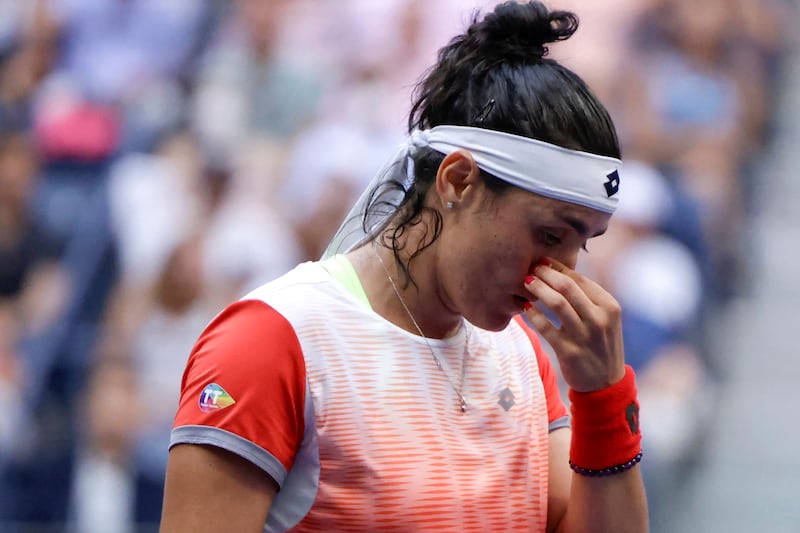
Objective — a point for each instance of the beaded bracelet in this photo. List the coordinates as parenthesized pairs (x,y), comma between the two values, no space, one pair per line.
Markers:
(618,469)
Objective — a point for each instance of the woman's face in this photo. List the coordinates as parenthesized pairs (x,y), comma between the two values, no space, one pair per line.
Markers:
(490,246)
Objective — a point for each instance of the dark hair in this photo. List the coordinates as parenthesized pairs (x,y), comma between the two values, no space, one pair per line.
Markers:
(496,76)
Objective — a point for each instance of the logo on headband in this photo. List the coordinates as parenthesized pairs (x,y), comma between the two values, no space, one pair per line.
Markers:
(612,185)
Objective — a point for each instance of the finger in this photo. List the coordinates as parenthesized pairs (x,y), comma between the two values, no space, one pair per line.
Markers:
(593,290)
(556,302)
(588,319)
(590,300)
(566,288)
(542,323)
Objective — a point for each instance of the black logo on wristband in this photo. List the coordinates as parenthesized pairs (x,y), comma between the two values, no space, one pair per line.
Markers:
(632,416)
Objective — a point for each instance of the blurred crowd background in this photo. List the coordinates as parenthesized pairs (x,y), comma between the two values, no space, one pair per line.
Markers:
(158,158)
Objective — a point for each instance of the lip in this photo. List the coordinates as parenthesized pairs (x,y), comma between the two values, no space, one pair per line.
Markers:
(520,302)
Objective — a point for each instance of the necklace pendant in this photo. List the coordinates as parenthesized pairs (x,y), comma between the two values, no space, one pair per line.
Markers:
(463,405)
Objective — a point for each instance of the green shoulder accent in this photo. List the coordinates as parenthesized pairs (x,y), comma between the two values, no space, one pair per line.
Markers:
(341,269)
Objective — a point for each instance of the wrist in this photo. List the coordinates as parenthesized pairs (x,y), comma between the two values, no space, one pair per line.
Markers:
(605,428)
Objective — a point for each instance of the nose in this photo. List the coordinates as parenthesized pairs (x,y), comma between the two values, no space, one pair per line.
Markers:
(568,258)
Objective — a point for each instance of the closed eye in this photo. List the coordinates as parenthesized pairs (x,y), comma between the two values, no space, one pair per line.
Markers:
(551,239)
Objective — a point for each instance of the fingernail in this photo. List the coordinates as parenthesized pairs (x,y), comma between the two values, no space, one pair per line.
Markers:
(529,280)
(545,262)
(527,306)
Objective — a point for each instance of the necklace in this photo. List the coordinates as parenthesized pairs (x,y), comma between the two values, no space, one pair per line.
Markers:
(461,399)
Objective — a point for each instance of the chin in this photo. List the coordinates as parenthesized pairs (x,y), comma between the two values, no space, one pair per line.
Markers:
(494,322)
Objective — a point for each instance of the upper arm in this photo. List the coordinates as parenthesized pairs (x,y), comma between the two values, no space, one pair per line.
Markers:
(557,414)
(209,489)
(241,419)
(560,476)
(559,472)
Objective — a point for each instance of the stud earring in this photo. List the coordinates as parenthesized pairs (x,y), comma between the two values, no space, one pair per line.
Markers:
(449,205)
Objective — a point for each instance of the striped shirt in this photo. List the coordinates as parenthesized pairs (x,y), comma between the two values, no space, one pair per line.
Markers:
(359,428)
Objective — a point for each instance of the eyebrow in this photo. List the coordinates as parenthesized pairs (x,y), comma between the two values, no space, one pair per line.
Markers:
(580,227)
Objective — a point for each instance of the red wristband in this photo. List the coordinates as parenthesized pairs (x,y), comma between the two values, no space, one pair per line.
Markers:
(605,427)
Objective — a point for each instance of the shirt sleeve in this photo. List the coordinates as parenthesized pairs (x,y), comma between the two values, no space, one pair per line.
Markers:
(557,414)
(244,388)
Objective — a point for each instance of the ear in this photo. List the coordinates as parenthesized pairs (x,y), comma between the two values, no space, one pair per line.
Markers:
(457,175)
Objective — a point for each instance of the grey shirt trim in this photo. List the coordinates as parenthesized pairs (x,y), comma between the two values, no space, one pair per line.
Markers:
(233,443)
(558,423)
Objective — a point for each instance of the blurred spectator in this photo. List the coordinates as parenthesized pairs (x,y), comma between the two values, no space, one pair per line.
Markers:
(247,239)
(692,101)
(120,62)
(103,486)
(168,186)
(245,85)
(113,48)
(228,203)
(30,279)
(599,50)
(11,384)
(33,285)
(29,49)
(375,71)
(328,167)
(14,19)
(28,266)
(34,291)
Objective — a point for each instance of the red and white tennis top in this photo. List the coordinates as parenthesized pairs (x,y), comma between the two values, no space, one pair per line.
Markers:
(352,418)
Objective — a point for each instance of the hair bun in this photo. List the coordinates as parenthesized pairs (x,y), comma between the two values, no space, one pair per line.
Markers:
(522,31)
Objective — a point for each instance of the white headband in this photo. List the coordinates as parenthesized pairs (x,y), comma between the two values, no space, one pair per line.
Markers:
(536,166)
